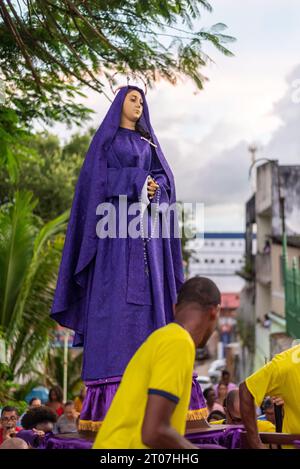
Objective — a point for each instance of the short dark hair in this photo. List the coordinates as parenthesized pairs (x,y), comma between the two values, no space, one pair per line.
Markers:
(267,403)
(9,408)
(206,392)
(199,290)
(38,415)
(69,403)
(225,372)
(34,399)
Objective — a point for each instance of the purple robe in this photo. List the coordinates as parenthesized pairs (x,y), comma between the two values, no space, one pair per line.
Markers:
(103,292)
(118,321)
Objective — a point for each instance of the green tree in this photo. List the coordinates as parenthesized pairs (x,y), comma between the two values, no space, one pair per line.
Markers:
(49,171)
(54,370)
(29,257)
(51,49)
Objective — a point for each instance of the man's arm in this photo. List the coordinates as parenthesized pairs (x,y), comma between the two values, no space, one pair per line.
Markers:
(248,413)
(157,432)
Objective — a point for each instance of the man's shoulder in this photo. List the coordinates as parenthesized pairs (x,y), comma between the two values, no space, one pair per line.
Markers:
(170,333)
(288,358)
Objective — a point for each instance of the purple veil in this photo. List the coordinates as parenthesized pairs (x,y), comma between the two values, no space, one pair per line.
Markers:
(81,240)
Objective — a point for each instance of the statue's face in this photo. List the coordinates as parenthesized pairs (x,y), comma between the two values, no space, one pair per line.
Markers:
(133,106)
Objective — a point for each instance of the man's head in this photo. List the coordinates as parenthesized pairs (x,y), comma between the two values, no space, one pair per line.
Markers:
(9,417)
(198,307)
(69,410)
(225,378)
(41,418)
(232,408)
(35,402)
(14,443)
(268,408)
(210,396)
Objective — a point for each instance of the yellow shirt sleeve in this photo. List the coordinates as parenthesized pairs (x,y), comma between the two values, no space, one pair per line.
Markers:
(264,382)
(172,368)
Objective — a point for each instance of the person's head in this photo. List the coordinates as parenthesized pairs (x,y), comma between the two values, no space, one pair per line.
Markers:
(225,378)
(9,417)
(221,391)
(69,410)
(35,402)
(232,408)
(132,108)
(14,443)
(41,418)
(268,409)
(198,307)
(210,396)
(55,394)
(216,415)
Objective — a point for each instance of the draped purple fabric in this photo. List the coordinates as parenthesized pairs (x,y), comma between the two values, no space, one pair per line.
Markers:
(51,441)
(229,438)
(100,394)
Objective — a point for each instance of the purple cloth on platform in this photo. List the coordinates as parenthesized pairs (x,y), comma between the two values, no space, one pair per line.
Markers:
(210,446)
(103,292)
(50,441)
(100,393)
(229,438)
(97,400)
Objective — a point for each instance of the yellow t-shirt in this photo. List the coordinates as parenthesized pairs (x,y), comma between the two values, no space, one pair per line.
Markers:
(280,377)
(162,365)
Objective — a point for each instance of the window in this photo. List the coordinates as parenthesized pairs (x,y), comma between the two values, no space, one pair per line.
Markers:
(221,261)
(232,261)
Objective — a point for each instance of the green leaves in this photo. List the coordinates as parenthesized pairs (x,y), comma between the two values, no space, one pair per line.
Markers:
(29,257)
(57,47)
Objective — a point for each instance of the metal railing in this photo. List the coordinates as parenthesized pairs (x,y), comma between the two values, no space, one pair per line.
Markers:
(292,295)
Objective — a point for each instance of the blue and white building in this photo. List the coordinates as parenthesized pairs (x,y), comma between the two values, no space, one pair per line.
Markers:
(218,256)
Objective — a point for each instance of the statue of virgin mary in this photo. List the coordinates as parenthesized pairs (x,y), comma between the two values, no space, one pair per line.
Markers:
(114,291)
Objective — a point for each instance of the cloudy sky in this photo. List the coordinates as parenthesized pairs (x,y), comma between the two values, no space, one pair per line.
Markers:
(253,97)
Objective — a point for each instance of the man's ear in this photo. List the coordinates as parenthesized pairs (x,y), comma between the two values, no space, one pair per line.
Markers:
(214,312)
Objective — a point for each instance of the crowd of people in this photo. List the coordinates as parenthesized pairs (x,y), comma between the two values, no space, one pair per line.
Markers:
(54,417)
(223,405)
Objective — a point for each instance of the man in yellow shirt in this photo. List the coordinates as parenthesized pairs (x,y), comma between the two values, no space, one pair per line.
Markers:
(279,377)
(150,407)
